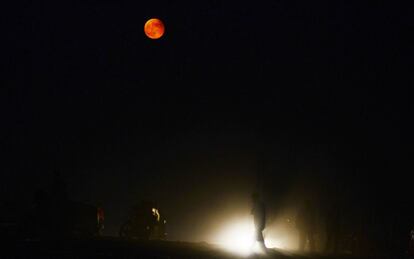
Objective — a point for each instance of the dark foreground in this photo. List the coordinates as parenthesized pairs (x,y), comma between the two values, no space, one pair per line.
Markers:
(116,248)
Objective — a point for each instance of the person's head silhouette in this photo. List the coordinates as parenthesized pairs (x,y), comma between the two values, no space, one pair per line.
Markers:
(255,196)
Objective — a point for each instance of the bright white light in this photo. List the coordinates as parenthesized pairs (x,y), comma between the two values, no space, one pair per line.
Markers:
(237,237)
(273,243)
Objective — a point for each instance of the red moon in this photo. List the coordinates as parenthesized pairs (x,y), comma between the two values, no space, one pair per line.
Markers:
(154,28)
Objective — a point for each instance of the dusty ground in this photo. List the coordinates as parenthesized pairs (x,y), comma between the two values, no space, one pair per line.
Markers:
(117,248)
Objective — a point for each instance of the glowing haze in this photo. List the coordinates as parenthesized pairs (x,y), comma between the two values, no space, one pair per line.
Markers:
(237,236)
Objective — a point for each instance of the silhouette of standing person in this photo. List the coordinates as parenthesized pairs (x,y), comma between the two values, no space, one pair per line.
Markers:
(332,226)
(259,217)
(305,223)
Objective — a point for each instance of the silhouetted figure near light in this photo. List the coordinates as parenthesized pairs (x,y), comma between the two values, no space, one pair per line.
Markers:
(141,221)
(332,227)
(259,216)
(159,227)
(305,223)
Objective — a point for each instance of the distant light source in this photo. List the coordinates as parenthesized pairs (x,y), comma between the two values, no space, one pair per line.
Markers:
(237,237)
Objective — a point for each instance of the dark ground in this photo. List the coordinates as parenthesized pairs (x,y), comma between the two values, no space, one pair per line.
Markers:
(117,248)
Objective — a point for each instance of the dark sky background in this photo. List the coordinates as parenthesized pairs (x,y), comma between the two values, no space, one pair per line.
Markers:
(312,94)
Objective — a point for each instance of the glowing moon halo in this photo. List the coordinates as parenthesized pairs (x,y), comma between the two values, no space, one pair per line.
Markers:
(154,28)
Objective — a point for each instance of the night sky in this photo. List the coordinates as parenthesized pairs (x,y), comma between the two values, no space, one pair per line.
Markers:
(290,96)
